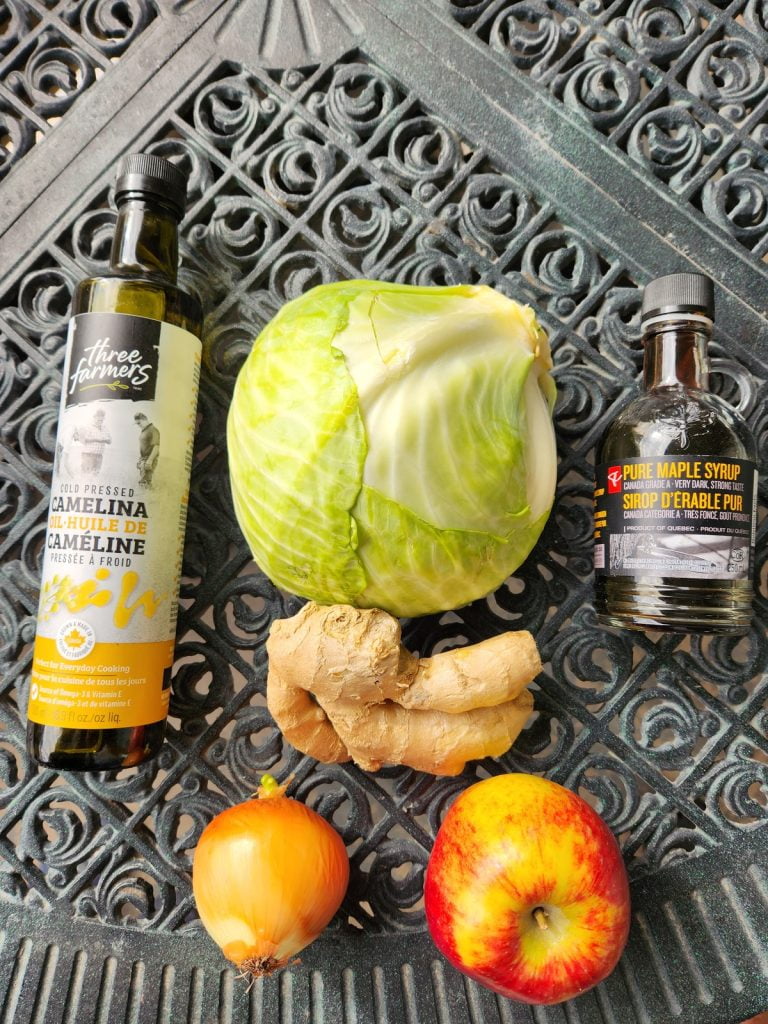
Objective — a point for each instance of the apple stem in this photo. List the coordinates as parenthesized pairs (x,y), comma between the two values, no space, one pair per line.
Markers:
(541,918)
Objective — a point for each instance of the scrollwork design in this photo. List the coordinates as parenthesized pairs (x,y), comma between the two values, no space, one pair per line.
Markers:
(660,32)
(17,20)
(423,155)
(112,25)
(254,746)
(237,233)
(13,888)
(132,785)
(616,328)
(9,624)
(36,432)
(61,832)
(738,200)
(565,264)
(393,886)
(756,16)
(559,587)
(522,598)
(730,76)
(673,839)
(531,35)
(467,11)
(294,170)
(672,143)
(433,262)
(360,222)
(17,135)
(478,213)
(735,789)
(202,683)
(731,663)
(54,75)
(758,421)
(327,790)
(230,113)
(15,765)
(582,398)
(295,272)
(128,892)
(613,789)
(91,240)
(429,799)
(491,212)
(357,101)
(43,301)
(245,609)
(227,345)
(667,727)
(17,496)
(601,87)
(205,549)
(573,519)
(181,820)
(593,663)
(190,159)
(28,568)
(291,79)
(214,490)
(18,370)
(545,742)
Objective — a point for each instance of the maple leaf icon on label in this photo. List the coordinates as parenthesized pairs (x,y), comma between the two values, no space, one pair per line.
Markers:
(75,639)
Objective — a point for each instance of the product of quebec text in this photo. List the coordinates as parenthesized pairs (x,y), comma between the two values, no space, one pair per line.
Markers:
(676,483)
(100,682)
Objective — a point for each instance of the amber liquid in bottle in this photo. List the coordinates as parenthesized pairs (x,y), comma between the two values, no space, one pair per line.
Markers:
(676,416)
(141,281)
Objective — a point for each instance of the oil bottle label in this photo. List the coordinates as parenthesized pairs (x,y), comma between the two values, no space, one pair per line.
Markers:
(676,516)
(114,543)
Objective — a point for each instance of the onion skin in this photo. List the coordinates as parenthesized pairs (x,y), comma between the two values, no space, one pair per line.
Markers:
(268,876)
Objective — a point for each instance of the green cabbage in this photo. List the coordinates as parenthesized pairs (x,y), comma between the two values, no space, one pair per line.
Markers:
(392,446)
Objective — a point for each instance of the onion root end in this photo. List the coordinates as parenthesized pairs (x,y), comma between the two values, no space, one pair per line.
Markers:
(260,966)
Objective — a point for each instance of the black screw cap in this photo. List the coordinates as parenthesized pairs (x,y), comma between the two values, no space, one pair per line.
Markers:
(148,173)
(679,293)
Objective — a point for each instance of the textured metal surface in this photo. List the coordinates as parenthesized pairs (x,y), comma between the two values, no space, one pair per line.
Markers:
(564,154)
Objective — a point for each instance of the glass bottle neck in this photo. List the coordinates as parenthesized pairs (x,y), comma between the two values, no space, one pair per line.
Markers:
(676,353)
(146,241)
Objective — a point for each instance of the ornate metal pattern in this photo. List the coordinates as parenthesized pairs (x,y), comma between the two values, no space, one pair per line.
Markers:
(336,170)
(681,88)
(50,54)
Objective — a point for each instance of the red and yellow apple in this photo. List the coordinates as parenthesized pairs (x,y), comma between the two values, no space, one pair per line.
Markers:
(526,890)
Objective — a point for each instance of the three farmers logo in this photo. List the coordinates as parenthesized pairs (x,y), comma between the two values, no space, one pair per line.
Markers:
(112,355)
(614,477)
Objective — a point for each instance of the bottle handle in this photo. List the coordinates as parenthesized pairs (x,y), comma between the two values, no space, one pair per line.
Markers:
(743,383)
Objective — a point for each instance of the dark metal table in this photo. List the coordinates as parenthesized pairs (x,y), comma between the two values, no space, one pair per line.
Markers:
(563,152)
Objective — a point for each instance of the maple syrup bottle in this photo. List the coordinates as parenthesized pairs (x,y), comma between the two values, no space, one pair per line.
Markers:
(100,681)
(676,483)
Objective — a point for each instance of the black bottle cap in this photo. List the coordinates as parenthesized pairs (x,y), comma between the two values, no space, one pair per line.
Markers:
(679,293)
(145,172)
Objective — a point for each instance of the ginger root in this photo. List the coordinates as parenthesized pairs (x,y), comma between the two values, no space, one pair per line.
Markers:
(342,687)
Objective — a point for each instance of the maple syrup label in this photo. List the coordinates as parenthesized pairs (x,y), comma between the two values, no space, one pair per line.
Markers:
(676,516)
(114,543)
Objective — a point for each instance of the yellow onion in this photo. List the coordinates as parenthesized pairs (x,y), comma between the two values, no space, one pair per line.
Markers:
(268,876)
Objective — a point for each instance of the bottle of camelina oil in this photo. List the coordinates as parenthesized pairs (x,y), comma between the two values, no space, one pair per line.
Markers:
(100,682)
(676,483)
